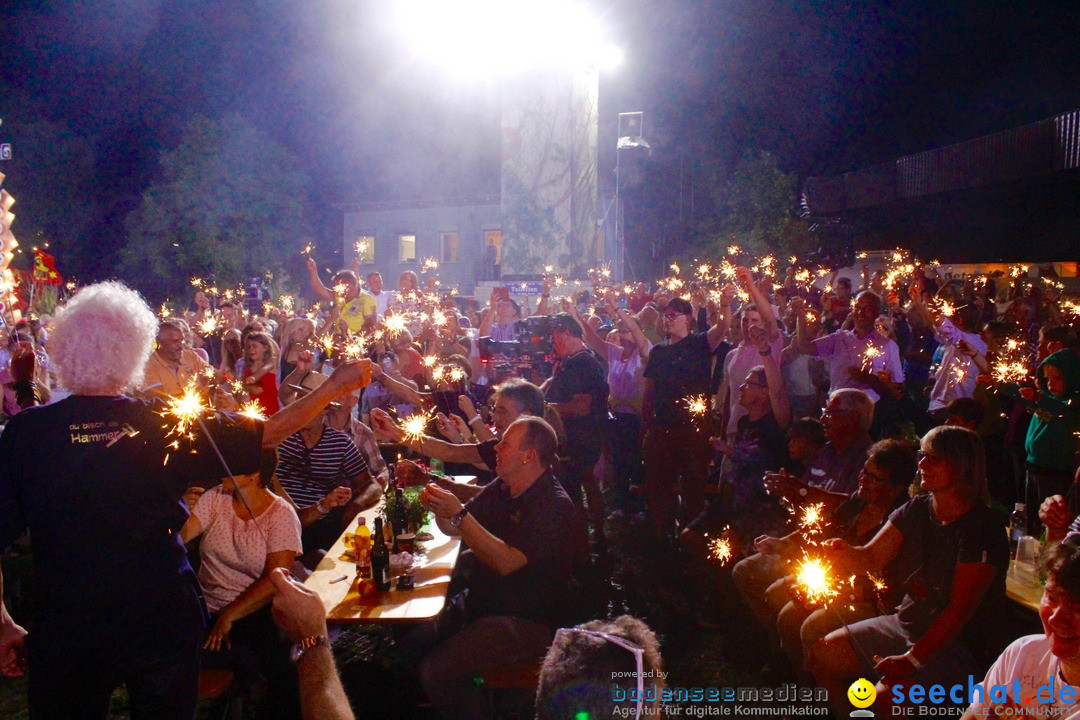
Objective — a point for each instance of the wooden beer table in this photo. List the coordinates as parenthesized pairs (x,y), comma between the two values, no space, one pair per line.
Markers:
(1022,587)
(431,572)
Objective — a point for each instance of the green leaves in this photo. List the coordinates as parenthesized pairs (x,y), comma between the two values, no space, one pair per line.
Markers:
(230,202)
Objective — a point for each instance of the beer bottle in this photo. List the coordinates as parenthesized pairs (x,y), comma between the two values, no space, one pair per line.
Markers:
(380,559)
(401,518)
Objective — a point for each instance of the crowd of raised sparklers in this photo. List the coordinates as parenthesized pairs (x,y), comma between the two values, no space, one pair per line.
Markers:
(814,579)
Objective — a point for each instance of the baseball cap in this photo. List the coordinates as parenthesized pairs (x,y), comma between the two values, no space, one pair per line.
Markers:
(680,305)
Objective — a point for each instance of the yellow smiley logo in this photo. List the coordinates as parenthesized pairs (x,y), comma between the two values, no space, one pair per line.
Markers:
(862,693)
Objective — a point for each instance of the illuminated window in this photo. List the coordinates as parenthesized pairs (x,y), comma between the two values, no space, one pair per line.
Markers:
(365,249)
(449,243)
(407,248)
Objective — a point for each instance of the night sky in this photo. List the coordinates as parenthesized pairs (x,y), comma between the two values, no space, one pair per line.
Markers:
(825,86)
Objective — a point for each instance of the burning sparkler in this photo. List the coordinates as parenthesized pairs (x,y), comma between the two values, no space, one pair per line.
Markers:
(869,355)
(733,250)
(814,582)
(720,549)
(251,410)
(208,326)
(414,426)
(308,249)
(813,516)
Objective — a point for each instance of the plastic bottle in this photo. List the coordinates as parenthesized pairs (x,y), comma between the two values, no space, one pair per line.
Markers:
(1017,528)
(362,548)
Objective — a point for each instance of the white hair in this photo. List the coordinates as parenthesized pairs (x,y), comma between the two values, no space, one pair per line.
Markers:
(102,339)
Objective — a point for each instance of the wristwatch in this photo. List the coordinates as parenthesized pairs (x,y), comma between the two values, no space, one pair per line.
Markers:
(456,519)
(300,649)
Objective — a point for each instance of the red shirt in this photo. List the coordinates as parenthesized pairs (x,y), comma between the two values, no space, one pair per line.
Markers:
(268,398)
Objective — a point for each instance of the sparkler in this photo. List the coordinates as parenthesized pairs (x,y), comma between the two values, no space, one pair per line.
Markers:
(196,282)
(549,269)
(429,264)
(165,311)
(697,405)
(286,302)
(414,426)
(733,250)
(946,308)
(813,516)
(720,549)
(869,355)
(308,250)
(396,324)
(251,410)
(208,326)
(814,582)
(361,247)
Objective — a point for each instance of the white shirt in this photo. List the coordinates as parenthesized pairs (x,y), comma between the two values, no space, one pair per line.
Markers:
(1030,662)
(382,301)
(234,550)
(737,366)
(956,377)
(843,350)
(626,379)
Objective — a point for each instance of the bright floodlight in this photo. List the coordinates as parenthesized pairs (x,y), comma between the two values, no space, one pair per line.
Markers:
(499,37)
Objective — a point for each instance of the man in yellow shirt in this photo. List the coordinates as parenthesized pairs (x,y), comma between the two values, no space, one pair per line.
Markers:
(171,366)
(358,307)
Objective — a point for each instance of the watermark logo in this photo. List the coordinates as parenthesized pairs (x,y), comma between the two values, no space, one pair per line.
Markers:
(862,695)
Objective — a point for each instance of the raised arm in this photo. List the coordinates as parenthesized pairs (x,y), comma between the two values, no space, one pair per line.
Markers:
(317,288)
(778,400)
(400,388)
(299,613)
(768,317)
(348,376)
(720,330)
(596,343)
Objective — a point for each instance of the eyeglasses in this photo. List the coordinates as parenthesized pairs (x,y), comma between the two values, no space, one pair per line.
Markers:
(673,315)
(639,657)
(873,476)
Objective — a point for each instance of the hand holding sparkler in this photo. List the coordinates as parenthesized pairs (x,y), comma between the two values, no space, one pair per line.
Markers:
(782,484)
(352,375)
(768,545)
(384,426)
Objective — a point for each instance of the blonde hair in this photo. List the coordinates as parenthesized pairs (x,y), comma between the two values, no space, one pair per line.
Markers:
(102,339)
(963,450)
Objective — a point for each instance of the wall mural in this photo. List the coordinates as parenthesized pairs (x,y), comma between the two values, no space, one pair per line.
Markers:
(549,156)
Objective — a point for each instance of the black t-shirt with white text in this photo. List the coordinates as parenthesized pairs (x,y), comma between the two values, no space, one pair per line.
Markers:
(95,481)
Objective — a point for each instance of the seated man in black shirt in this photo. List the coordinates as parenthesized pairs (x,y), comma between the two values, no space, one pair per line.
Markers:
(516,529)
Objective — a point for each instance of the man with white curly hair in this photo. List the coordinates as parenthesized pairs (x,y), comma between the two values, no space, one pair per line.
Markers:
(98,485)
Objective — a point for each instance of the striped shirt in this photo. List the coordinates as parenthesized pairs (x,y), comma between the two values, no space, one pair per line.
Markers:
(309,474)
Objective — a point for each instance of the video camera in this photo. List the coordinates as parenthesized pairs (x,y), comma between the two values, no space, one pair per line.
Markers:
(530,353)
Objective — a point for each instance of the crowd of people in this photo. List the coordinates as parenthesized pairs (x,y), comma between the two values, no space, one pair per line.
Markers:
(910,415)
